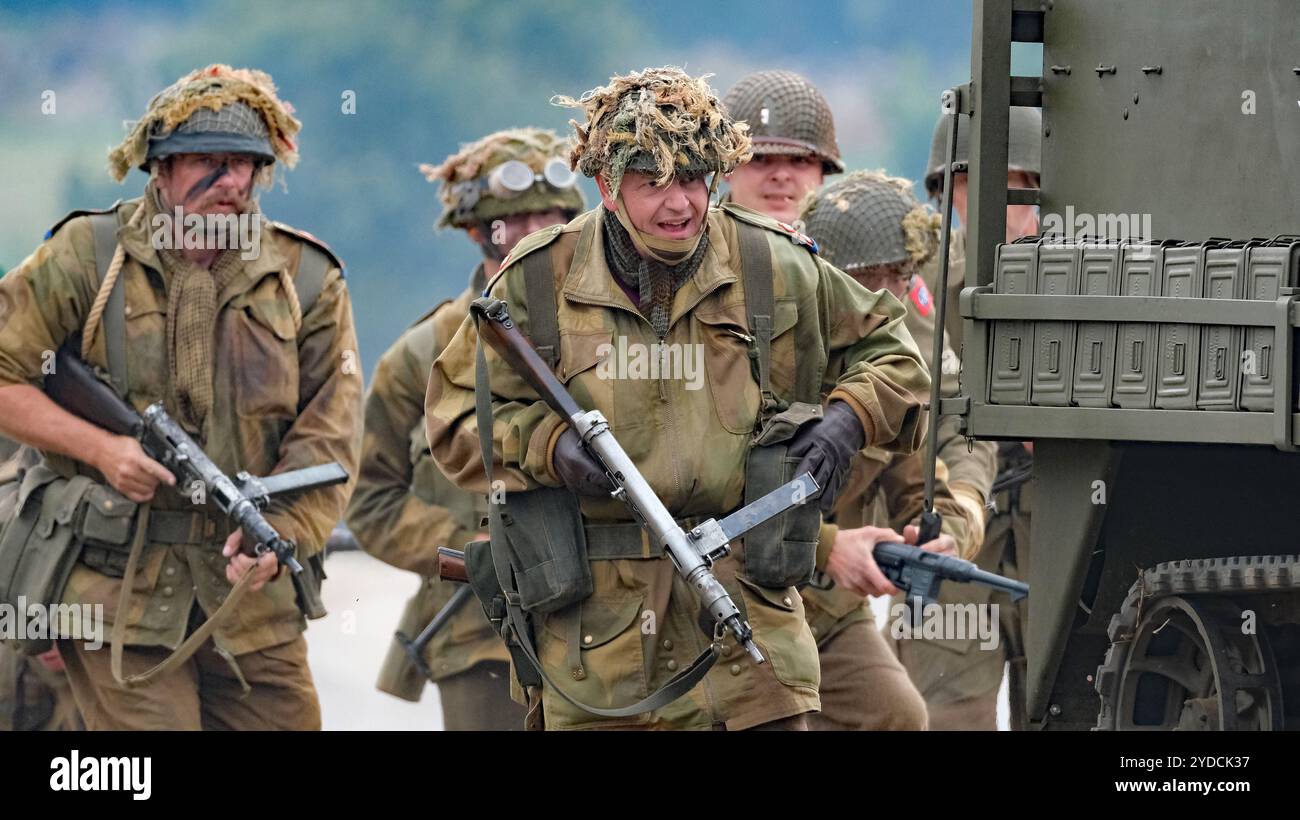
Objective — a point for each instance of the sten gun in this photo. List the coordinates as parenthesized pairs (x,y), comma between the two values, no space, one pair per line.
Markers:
(74,386)
(918,574)
(692,553)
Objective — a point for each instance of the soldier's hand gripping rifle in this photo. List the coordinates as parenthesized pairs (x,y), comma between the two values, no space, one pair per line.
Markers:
(74,387)
(693,552)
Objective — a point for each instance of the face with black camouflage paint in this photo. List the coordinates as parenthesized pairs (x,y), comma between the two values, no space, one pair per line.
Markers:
(182,179)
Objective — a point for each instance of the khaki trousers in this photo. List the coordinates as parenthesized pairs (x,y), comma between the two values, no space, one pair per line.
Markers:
(204,693)
(864,687)
(478,700)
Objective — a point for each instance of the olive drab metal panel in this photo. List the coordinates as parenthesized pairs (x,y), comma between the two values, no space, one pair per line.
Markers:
(1058,275)
(1135,362)
(1011,356)
(1268,270)
(1180,344)
(1171,119)
(1218,386)
(1094,361)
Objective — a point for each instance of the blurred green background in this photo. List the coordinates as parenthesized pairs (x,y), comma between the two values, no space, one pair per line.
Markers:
(426,78)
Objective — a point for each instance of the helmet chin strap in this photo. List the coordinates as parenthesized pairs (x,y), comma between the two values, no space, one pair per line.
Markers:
(666,251)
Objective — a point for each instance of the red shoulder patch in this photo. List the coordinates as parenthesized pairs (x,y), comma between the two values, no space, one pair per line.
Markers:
(797,237)
(921,297)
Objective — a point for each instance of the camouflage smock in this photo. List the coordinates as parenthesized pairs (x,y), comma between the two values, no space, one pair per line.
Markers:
(285,396)
(639,627)
(403,508)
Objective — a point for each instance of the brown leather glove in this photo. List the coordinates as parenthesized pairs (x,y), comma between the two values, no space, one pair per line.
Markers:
(577,468)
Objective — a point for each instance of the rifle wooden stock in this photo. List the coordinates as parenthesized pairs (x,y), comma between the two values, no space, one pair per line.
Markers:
(75,388)
(510,344)
(451,565)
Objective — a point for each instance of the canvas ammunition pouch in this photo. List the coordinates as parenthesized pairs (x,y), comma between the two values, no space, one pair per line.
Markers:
(781,552)
(39,546)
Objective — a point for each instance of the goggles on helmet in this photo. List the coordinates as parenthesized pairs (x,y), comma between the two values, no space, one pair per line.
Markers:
(512,179)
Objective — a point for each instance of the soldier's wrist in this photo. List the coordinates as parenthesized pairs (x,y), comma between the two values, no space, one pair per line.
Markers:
(825,543)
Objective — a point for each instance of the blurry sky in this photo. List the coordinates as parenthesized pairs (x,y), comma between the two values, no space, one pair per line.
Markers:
(428,77)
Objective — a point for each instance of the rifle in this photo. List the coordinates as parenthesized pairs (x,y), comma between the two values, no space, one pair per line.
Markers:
(74,386)
(919,573)
(451,567)
(692,553)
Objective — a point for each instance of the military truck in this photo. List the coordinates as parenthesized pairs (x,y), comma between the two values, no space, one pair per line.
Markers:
(1150,359)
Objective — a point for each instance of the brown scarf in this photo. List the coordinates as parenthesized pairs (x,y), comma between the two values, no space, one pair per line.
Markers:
(191,327)
(654,282)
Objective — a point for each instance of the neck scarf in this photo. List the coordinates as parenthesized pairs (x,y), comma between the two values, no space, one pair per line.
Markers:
(191,326)
(654,280)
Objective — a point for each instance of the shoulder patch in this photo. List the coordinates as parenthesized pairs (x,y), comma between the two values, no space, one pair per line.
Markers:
(312,240)
(764,221)
(921,297)
(527,245)
(82,212)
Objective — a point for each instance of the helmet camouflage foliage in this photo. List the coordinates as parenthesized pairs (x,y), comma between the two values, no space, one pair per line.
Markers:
(217,109)
(660,121)
(1024,145)
(786,115)
(467,204)
(869,218)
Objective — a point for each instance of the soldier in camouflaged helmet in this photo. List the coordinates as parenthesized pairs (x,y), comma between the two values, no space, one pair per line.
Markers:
(244,352)
(793,131)
(655,265)
(498,190)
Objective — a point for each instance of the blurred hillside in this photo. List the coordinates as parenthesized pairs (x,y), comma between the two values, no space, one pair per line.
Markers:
(427,77)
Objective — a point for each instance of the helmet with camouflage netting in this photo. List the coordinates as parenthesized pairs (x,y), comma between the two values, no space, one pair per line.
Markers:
(786,115)
(516,171)
(659,121)
(213,110)
(868,219)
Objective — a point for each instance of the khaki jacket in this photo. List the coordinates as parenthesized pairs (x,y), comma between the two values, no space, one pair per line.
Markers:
(286,396)
(403,508)
(689,433)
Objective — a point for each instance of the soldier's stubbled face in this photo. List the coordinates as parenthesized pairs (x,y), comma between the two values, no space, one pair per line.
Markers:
(230,193)
(673,211)
(774,184)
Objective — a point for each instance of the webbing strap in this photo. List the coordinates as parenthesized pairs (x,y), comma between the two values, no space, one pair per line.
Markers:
(756,268)
(104,228)
(190,645)
(543,313)
(310,281)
